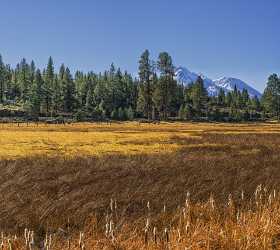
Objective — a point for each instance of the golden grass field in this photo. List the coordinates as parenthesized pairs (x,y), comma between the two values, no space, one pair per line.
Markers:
(87,139)
(103,139)
(140,186)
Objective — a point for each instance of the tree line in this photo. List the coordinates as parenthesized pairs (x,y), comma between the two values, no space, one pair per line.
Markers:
(115,94)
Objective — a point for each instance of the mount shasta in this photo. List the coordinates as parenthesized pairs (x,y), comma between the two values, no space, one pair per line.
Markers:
(186,77)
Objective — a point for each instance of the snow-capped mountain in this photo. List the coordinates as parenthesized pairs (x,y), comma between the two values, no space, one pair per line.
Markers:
(184,76)
(228,84)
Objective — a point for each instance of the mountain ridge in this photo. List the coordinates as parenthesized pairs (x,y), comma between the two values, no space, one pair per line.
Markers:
(186,77)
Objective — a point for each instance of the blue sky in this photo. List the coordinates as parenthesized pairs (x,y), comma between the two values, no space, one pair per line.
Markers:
(218,37)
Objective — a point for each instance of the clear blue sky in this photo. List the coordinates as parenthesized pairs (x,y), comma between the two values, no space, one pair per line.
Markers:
(237,38)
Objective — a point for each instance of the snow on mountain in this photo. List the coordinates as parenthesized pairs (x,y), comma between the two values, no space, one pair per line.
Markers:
(228,83)
(184,76)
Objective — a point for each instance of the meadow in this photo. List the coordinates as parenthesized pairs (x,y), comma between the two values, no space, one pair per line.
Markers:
(140,186)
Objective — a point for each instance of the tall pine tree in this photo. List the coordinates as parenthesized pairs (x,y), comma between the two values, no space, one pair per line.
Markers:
(146,91)
(166,85)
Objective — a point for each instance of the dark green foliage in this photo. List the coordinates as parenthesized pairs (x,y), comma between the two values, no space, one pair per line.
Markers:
(165,88)
(99,112)
(221,98)
(146,74)
(199,97)
(130,113)
(68,91)
(24,79)
(117,95)
(271,96)
(181,113)
(80,116)
(114,114)
(121,114)
(36,95)
(2,79)
(49,78)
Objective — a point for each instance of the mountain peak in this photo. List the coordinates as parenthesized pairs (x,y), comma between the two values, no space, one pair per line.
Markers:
(185,76)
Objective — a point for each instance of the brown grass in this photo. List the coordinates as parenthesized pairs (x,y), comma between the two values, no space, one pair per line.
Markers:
(217,168)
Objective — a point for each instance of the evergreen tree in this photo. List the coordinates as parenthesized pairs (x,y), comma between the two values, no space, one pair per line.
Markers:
(10,91)
(245,98)
(61,72)
(255,103)
(121,114)
(199,97)
(32,71)
(24,79)
(229,99)
(114,114)
(165,88)
(57,95)
(188,112)
(102,110)
(182,112)
(2,80)
(271,96)
(48,85)
(99,112)
(146,89)
(177,99)
(36,95)
(221,98)
(89,100)
(130,113)
(68,91)
(130,90)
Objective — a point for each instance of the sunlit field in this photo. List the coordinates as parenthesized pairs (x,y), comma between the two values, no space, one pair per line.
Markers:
(140,186)
(71,140)
(87,140)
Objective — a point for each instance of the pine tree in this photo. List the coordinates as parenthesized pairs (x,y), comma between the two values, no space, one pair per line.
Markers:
(102,110)
(48,85)
(245,98)
(89,100)
(32,71)
(119,99)
(255,102)
(221,98)
(271,96)
(61,72)
(36,95)
(24,79)
(199,97)
(165,88)
(145,93)
(239,100)
(68,91)
(9,84)
(130,90)
(178,98)
(57,95)
(114,114)
(121,114)
(130,113)
(182,113)
(188,112)
(2,79)
(229,99)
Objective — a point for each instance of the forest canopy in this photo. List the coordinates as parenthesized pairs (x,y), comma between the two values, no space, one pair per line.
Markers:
(116,95)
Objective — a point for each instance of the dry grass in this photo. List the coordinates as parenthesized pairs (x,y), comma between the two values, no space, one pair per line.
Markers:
(86,139)
(98,179)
